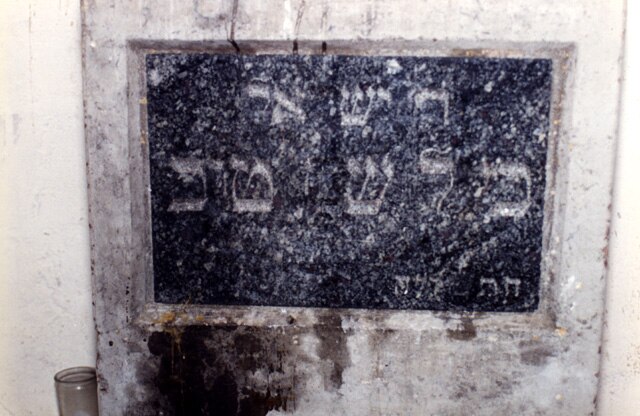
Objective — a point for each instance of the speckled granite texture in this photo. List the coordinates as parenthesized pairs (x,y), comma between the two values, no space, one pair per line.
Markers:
(348,181)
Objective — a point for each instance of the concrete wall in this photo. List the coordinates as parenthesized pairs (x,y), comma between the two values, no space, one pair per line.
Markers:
(45,292)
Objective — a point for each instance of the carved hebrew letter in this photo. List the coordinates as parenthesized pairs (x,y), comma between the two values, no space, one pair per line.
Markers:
(508,282)
(513,172)
(356,106)
(402,285)
(433,162)
(491,282)
(358,205)
(221,174)
(260,96)
(188,169)
(260,91)
(438,287)
(425,95)
(284,108)
(420,283)
(260,169)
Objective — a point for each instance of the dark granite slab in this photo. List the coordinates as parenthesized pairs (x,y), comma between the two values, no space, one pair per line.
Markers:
(348,181)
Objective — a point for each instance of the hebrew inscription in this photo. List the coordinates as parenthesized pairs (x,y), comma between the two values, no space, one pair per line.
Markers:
(348,181)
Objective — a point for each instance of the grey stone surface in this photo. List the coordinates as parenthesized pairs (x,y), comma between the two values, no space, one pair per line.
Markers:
(348,181)
(177,359)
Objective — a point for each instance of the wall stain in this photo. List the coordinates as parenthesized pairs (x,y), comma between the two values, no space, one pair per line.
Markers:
(222,371)
(535,353)
(376,339)
(333,348)
(465,332)
(259,404)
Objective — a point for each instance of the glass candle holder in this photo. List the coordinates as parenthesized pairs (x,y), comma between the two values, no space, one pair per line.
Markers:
(77,391)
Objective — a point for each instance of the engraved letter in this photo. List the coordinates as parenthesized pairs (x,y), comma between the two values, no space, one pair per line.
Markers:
(259,91)
(260,109)
(433,95)
(432,162)
(187,169)
(402,285)
(484,281)
(359,205)
(221,174)
(355,107)
(262,204)
(508,282)
(514,172)
(284,108)
(438,287)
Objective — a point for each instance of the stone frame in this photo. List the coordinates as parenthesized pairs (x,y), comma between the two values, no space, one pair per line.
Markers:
(149,312)
(555,351)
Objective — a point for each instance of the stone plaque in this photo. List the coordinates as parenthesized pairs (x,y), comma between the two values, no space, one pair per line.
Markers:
(382,182)
(350,208)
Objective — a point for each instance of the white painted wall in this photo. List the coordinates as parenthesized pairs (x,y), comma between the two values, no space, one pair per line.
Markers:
(45,291)
(620,387)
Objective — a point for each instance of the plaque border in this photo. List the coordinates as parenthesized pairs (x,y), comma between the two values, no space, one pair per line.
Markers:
(148,313)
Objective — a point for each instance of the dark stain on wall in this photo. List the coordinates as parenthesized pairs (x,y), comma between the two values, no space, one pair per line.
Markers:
(333,348)
(535,352)
(222,371)
(234,370)
(465,332)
